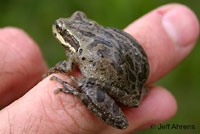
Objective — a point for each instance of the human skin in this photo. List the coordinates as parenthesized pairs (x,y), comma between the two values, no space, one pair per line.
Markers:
(167,34)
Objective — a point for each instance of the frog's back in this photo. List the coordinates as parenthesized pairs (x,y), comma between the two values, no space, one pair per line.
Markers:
(133,55)
(115,57)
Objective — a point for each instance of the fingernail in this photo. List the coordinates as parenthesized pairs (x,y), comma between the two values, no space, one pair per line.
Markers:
(181,25)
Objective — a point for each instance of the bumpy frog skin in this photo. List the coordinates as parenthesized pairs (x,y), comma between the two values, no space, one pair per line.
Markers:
(113,65)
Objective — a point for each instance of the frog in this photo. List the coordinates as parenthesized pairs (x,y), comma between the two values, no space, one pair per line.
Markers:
(113,65)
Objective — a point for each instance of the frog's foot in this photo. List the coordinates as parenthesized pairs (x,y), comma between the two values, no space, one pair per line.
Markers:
(78,83)
(68,89)
(61,67)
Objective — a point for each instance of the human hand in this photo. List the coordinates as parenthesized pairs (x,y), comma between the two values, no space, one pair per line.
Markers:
(167,34)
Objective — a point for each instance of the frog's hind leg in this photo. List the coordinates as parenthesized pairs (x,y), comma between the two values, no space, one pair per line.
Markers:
(68,89)
(96,100)
(102,105)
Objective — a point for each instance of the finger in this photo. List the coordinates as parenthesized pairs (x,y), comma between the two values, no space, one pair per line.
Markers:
(21,64)
(157,107)
(45,112)
(167,34)
(61,113)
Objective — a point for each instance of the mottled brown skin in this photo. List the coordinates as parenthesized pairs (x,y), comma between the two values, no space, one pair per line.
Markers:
(114,67)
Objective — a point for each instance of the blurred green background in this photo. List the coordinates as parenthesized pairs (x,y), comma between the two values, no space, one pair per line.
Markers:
(37,16)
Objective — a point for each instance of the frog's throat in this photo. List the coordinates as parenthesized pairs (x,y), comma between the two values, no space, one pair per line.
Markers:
(66,39)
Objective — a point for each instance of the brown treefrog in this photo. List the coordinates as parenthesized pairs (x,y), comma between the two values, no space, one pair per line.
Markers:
(113,65)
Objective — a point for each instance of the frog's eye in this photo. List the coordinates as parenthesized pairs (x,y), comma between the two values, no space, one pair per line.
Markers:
(58,28)
(78,15)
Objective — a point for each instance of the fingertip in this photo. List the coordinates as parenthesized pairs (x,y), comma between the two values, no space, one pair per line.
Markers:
(20,43)
(22,64)
(166,105)
(20,46)
(181,25)
(161,33)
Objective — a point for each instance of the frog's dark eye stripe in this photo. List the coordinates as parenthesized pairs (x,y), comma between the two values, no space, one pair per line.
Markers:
(70,39)
(66,36)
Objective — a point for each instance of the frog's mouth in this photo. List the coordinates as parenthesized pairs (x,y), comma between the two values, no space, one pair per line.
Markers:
(65,38)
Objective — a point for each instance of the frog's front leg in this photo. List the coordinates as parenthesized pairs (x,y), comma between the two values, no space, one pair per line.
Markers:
(97,101)
(62,67)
